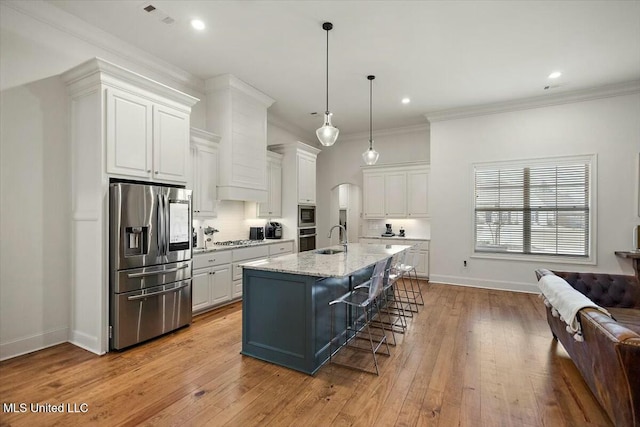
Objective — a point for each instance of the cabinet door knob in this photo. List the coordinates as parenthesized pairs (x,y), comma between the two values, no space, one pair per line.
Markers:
(213,272)
(156,172)
(148,170)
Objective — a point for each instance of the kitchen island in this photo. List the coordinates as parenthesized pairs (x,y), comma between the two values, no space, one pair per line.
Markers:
(286,318)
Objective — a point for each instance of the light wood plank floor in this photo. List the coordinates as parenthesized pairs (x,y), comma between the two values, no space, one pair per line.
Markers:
(471,357)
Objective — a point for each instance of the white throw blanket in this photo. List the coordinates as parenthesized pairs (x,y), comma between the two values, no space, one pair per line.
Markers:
(565,301)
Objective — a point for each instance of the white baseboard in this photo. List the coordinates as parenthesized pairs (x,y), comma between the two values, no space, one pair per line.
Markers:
(85,341)
(33,343)
(485,284)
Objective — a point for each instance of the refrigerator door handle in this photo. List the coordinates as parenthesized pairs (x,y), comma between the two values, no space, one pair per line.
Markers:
(167,230)
(161,226)
(156,273)
(155,294)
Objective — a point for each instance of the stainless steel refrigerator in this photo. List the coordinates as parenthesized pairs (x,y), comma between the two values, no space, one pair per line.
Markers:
(150,244)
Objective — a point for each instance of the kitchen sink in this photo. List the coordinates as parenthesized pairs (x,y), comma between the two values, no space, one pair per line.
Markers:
(328,251)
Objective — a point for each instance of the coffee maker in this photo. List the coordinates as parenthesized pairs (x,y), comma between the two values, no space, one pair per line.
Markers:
(389,232)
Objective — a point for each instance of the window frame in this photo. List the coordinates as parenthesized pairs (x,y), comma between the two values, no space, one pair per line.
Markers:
(591,259)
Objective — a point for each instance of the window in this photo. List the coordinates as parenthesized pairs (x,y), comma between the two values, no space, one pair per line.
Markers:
(536,207)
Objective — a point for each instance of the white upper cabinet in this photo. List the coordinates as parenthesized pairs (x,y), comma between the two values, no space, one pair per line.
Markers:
(306,178)
(373,195)
(272,208)
(396,191)
(204,173)
(395,194)
(170,144)
(129,134)
(238,113)
(145,139)
(417,193)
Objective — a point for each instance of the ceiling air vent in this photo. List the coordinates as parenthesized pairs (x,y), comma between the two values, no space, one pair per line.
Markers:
(159,14)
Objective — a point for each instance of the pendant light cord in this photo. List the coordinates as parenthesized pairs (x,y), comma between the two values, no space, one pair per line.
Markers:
(370,114)
(327,110)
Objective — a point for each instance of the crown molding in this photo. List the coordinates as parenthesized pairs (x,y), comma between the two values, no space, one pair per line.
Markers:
(607,91)
(226,81)
(296,146)
(424,127)
(71,25)
(97,69)
(201,137)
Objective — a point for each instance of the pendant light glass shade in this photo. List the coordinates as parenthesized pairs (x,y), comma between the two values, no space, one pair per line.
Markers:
(370,156)
(327,133)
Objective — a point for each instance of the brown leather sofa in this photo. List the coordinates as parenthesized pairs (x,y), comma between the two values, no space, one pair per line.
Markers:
(609,356)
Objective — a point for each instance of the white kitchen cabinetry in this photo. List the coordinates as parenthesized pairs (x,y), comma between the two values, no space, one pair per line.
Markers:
(298,183)
(421,246)
(145,139)
(418,193)
(278,249)
(238,113)
(211,284)
(242,255)
(122,125)
(373,195)
(217,275)
(395,192)
(306,178)
(204,173)
(272,208)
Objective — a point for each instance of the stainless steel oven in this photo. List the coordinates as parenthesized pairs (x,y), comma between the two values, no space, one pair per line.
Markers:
(306,239)
(306,216)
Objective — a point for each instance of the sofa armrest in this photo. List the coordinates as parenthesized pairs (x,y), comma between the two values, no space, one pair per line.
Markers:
(608,360)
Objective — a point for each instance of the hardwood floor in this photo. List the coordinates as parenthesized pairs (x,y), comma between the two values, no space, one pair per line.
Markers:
(470,357)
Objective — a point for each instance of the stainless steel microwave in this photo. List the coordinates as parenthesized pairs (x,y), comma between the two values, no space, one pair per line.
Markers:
(306,216)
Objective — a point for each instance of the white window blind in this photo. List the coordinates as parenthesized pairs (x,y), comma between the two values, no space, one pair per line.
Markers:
(539,207)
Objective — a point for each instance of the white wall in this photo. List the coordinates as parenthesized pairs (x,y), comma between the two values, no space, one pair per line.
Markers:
(37,43)
(34,217)
(608,127)
(342,162)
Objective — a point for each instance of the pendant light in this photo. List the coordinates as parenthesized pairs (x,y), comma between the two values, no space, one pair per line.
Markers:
(327,134)
(370,156)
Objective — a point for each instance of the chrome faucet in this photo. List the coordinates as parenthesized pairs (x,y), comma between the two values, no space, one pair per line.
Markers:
(344,231)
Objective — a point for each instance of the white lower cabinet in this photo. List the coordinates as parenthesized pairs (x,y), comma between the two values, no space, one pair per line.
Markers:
(422,257)
(211,283)
(217,275)
(240,256)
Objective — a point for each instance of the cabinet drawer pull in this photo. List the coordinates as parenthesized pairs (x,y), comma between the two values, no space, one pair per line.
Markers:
(212,260)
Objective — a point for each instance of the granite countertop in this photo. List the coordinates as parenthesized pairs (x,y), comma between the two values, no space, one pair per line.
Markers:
(217,248)
(341,264)
(395,237)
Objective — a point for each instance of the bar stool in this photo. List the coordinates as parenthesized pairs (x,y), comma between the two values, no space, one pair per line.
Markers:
(406,268)
(364,298)
(392,306)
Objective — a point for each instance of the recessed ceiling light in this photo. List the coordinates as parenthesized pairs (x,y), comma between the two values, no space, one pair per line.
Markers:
(555,75)
(197,24)
(406,100)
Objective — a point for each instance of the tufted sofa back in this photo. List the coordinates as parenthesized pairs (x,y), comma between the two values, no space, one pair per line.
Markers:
(606,290)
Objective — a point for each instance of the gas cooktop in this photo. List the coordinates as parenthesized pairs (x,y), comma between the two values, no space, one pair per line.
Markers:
(237,242)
